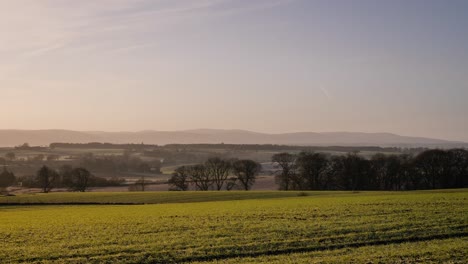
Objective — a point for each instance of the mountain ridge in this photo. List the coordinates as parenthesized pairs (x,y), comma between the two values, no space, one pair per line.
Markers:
(14,137)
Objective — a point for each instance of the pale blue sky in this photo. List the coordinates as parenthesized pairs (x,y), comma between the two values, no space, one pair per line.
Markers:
(264,65)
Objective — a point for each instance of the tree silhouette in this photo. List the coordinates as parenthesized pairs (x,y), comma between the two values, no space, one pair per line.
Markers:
(7,178)
(218,169)
(246,172)
(46,178)
(286,164)
(179,179)
(80,178)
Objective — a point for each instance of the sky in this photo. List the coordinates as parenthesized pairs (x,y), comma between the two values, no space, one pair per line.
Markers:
(263,65)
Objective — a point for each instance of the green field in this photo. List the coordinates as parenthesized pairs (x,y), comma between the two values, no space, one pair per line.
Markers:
(236,227)
(159,197)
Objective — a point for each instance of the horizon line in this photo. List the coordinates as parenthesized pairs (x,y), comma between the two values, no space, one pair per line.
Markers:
(221,129)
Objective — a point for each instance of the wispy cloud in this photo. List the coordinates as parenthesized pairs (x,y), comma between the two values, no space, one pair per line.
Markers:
(325,92)
(32,28)
(37,27)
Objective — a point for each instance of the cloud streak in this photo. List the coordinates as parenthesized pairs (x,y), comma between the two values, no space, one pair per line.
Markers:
(44,25)
(106,26)
(325,92)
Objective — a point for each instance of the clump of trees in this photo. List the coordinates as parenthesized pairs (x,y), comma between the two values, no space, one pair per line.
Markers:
(430,169)
(74,179)
(215,174)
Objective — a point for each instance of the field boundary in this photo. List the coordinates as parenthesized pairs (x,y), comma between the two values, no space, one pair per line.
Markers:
(73,203)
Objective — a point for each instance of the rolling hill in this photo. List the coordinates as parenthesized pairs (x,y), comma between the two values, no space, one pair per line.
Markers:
(10,138)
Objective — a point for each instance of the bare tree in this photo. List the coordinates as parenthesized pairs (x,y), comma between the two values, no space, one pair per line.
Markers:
(218,169)
(311,168)
(46,178)
(179,179)
(200,176)
(386,170)
(285,162)
(80,179)
(246,172)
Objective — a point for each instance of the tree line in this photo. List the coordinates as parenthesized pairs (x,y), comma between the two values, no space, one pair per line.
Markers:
(430,169)
(216,174)
(243,147)
(98,145)
(74,179)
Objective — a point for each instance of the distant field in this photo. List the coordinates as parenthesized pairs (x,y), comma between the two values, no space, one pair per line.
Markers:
(61,152)
(237,227)
(171,169)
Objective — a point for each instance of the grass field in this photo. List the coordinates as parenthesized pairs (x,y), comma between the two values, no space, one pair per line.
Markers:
(155,197)
(237,227)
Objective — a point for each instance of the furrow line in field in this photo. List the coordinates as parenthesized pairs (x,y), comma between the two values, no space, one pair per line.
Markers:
(320,248)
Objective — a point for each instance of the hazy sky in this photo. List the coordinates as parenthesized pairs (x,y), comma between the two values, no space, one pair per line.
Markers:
(264,65)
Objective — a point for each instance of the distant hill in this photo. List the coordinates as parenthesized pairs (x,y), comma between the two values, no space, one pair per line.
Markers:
(214,136)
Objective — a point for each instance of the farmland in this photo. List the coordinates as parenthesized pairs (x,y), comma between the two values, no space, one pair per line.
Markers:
(27,159)
(122,165)
(236,227)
